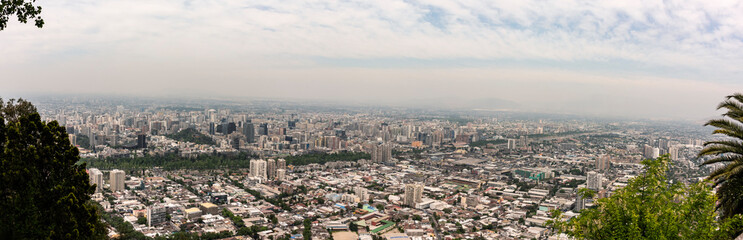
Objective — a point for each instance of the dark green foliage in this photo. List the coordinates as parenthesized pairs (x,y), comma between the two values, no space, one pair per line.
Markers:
(322,158)
(14,109)
(236,220)
(650,207)
(83,141)
(142,220)
(274,219)
(24,10)
(728,151)
(192,135)
(172,161)
(307,233)
(43,193)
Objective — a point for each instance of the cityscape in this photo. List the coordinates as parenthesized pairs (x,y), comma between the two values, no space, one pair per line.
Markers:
(286,171)
(371,120)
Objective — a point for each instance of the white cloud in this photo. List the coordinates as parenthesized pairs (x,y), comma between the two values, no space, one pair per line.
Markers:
(170,41)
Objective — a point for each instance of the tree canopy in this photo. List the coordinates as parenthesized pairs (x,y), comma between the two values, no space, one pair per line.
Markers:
(650,207)
(24,10)
(728,152)
(43,193)
(192,135)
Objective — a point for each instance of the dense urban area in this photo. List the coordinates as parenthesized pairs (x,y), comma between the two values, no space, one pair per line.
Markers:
(278,170)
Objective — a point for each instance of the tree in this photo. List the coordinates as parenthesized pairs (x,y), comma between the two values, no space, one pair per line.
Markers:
(728,151)
(142,220)
(24,10)
(44,194)
(274,219)
(380,207)
(307,233)
(650,207)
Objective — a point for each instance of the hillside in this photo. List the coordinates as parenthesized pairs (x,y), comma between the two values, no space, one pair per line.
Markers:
(192,135)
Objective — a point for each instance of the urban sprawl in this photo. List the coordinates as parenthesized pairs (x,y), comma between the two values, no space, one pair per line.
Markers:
(273,170)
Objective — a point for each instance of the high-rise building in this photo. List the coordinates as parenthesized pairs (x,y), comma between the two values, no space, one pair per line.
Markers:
(523,141)
(249,131)
(381,153)
(96,177)
(280,174)
(263,129)
(212,128)
(258,169)
(602,162)
(674,152)
(511,143)
(647,151)
(271,169)
(235,143)
(580,203)
(141,140)
(156,214)
(281,164)
(91,139)
(593,180)
(413,194)
(362,193)
(116,179)
(656,153)
(73,139)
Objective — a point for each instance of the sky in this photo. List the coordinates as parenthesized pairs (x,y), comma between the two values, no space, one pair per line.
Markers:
(641,59)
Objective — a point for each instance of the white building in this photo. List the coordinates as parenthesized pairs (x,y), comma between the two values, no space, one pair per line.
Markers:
(593,180)
(258,169)
(96,178)
(117,180)
(362,193)
(280,174)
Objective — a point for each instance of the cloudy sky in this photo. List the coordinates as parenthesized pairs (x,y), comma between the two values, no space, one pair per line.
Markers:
(650,59)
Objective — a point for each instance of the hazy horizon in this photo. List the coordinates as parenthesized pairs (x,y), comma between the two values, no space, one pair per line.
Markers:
(639,59)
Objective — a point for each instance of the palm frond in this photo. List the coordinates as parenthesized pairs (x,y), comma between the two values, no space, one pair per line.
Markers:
(726,132)
(720,149)
(736,96)
(723,172)
(724,158)
(735,109)
(735,129)
(727,142)
(737,170)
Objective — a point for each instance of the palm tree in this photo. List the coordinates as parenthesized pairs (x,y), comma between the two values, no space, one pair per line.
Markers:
(729,151)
